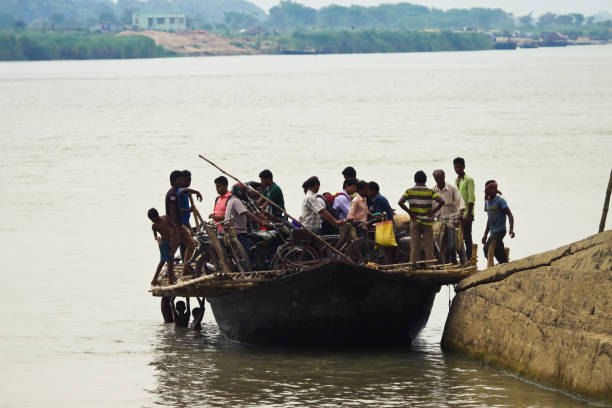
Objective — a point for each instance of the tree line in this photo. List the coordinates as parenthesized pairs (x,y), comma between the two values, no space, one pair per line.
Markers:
(374,41)
(33,45)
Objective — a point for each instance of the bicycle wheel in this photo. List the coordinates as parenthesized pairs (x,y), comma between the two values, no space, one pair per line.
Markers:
(291,254)
(240,258)
(360,251)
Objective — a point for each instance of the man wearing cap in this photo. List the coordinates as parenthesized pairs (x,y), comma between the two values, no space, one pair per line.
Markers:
(497,210)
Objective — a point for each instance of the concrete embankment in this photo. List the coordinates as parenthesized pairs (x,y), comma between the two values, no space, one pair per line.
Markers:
(547,317)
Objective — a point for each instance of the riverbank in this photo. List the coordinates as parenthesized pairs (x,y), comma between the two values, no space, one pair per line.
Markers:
(546,317)
(35,45)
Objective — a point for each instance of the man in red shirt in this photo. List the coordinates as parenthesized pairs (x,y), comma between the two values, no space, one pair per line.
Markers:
(218,214)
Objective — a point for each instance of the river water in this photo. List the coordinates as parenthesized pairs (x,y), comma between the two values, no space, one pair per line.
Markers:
(87,147)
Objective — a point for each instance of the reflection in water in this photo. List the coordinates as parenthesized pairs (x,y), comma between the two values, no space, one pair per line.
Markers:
(204,368)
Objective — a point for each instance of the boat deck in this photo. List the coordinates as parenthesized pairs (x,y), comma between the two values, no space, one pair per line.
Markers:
(220,284)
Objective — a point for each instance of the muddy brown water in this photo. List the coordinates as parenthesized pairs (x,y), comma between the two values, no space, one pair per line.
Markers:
(87,147)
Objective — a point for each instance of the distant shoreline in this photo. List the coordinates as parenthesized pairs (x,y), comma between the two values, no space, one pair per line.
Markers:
(40,46)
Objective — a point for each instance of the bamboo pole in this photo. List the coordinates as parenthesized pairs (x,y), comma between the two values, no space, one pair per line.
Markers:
(199,221)
(604,214)
(315,236)
(214,241)
(491,254)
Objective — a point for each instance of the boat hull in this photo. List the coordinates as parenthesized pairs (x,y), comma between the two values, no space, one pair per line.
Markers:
(334,305)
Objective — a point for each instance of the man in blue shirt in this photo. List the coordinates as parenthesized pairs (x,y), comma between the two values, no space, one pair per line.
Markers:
(497,210)
(184,208)
(379,203)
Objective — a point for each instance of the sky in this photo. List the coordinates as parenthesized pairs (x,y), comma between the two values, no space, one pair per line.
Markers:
(518,7)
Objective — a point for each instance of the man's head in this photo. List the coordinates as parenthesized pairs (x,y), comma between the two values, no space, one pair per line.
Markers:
(239,190)
(254,186)
(350,186)
(439,176)
(153,215)
(195,312)
(186,178)
(180,306)
(491,190)
(221,185)
(176,178)
(420,177)
(312,184)
(362,188)
(459,165)
(373,189)
(266,178)
(349,173)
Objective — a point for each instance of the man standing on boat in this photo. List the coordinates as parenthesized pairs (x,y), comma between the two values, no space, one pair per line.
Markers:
(342,200)
(313,211)
(272,192)
(173,212)
(421,212)
(237,214)
(218,213)
(449,213)
(466,187)
(358,212)
(497,209)
(184,193)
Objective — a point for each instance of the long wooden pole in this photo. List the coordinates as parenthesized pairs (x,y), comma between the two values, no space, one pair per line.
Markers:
(602,224)
(315,236)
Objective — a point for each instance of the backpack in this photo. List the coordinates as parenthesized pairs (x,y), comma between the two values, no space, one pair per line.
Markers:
(327,228)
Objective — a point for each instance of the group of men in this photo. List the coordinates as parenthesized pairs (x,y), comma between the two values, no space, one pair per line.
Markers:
(252,206)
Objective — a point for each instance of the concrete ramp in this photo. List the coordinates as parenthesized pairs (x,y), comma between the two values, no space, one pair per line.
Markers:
(547,317)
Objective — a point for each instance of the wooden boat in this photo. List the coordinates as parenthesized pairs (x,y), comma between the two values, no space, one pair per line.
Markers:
(331,304)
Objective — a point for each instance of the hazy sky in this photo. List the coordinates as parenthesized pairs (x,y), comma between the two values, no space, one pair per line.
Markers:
(519,7)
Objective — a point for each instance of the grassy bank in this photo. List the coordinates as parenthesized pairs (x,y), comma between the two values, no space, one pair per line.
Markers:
(33,45)
(369,41)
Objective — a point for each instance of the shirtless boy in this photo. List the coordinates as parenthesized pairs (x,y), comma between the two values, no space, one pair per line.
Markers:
(167,243)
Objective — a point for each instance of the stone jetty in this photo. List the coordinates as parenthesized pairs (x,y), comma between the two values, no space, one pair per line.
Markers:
(547,317)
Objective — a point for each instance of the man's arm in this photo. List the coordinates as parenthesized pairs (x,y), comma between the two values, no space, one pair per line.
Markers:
(255,218)
(440,202)
(329,218)
(190,191)
(511,220)
(402,204)
(471,200)
(172,308)
(154,232)
(484,238)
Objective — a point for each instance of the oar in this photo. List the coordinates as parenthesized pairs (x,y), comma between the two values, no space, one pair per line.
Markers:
(315,236)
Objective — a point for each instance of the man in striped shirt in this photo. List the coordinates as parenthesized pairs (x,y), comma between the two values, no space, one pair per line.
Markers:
(421,200)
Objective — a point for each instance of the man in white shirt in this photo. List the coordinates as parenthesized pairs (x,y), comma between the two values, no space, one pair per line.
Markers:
(450,213)
(313,212)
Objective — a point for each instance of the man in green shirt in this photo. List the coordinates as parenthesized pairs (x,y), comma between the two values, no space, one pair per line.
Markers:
(466,187)
(272,192)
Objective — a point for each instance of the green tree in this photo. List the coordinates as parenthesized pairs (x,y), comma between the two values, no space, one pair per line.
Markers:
(290,15)
(547,19)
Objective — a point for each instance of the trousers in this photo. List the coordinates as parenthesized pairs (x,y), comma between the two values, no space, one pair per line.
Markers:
(421,238)
(500,252)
